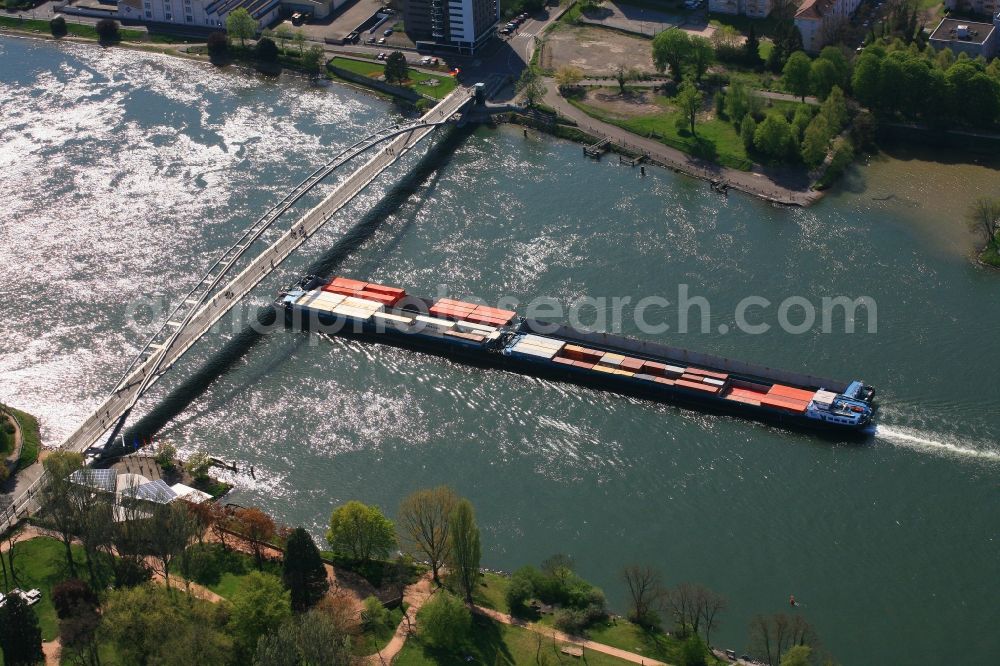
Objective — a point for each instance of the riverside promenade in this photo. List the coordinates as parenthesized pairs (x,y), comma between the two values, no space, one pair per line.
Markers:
(777,185)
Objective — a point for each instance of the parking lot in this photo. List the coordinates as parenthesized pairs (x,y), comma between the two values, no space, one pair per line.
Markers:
(596,51)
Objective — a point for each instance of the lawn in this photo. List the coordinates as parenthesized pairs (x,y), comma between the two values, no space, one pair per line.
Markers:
(763,27)
(495,643)
(235,567)
(41,563)
(715,140)
(491,591)
(426,84)
(74,29)
(32,437)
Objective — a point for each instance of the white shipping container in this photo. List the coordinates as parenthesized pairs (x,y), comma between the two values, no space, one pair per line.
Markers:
(356,313)
(540,341)
(385,316)
(440,323)
(714,382)
(533,351)
(471,326)
(361,303)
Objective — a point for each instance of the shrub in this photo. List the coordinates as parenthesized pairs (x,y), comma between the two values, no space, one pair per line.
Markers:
(445,621)
(693,652)
(267,50)
(374,614)
(218,44)
(107,31)
(58,26)
(519,591)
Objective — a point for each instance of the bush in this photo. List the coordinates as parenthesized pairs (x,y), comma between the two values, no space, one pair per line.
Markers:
(58,26)
(519,591)
(374,614)
(445,621)
(107,31)
(693,652)
(209,561)
(267,50)
(218,44)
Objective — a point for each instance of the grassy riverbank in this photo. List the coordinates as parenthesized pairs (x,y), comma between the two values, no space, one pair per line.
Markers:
(429,85)
(84,31)
(31,433)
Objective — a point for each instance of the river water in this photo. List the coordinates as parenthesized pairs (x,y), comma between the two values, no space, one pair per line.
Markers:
(125,171)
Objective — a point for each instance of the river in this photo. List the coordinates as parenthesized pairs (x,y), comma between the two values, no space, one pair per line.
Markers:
(125,171)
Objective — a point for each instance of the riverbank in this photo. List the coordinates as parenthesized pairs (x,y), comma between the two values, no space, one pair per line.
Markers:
(774,185)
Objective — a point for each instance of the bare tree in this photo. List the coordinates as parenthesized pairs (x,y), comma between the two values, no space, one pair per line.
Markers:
(772,635)
(713,604)
(984,216)
(171,530)
(94,523)
(257,528)
(57,498)
(423,524)
(645,588)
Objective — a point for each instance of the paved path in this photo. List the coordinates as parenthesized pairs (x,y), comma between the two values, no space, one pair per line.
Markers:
(415,595)
(656,83)
(784,186)
(586,644)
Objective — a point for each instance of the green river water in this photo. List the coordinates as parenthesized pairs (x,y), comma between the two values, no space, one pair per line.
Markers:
(124,172)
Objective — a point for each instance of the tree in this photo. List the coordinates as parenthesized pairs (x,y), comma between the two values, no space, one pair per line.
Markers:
(622,75)
(58,26)
(737,104)
(282,34)
(395,68)
(711,604)
(815,142)
(800,655)
(748,129)
(445,621)
(218,44)
(267,50)
(645,589)
(465,548)
(312,61)
(423,524)
(303,571)
(689,99)
(519,590)
(240,24)
(772,635)
(20,633)
(796,74)
(107,31)
(78,609)
(57,496)
(300,41)
(309,638)
(671,49)
(984,216)
(773,137)
(360,532)
(257,528)
(171,530)
(835,56)
(702,56)
(199,464)
(822,77)
(568,76)
(693,652)
(867,78)
(259,604)
(530,86)
(751,49)
(834,110)
(93,526)
(147,627)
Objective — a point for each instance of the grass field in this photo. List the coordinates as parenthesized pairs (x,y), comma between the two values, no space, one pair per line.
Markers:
(426,84)
(32,437)
(495,643)
(714,140)
(41,563)
(491,591)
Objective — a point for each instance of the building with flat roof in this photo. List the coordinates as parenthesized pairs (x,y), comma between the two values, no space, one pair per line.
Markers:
(981,7)
(819,21)
(751,8)
(197,13)
(970,37)
(459,26)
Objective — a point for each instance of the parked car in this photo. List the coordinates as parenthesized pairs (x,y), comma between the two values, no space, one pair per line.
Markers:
(3,599)
(505,31)
(387,32)
(380,56)
(381,40)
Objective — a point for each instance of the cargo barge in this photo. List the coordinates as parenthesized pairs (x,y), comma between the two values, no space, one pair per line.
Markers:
(495,337)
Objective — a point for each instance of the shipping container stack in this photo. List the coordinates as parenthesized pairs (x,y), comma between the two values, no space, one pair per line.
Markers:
(447,308)
(369,291)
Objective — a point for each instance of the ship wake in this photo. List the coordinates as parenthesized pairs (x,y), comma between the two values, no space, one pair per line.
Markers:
(934,443)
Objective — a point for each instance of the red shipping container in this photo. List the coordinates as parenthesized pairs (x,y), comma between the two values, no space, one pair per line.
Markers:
(633,364)
(790,392)
(563,361)
(346,291)
(349,283)
(585,366)
(707,388)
